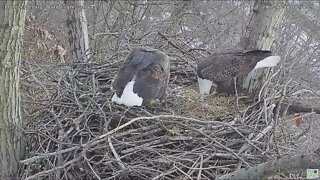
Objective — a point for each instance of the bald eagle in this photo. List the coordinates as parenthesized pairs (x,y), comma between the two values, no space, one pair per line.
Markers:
(220,69)
(143,76)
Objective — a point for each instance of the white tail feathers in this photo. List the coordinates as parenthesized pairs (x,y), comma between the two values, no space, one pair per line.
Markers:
(204,86)
(128,98)
(270,61)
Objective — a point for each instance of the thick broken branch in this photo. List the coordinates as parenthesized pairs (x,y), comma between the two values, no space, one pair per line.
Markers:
(305,105)
(271,168)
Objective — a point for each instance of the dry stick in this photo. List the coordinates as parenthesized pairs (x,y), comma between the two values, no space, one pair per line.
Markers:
(93,142)
(266,83)
(208,175)
(144,129)
(143,146)
(60,157)
(218,143)
(43,173)
(285,164)
(46,155)
(276,119)
(211,167)
(192,168)
(264,91)
(196,163)
(171,43)
(164,174)
(60,145)
(93,84)
(93,171)
(148,133)
(236,92)
(37,81)
(260,135)
(101,110)
(115,154)
(102,137)
(176,167)
(200,170)
(175,46)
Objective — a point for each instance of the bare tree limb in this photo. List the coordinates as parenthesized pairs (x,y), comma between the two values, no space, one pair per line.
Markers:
(284,164)
(305,105)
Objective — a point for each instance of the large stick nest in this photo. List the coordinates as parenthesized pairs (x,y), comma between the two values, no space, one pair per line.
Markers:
(75,132)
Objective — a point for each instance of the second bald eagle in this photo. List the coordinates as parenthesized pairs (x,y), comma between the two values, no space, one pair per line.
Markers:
(143,76)
(221,68)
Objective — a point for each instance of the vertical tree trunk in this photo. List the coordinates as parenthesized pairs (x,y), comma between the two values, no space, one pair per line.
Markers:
(260,34)
(78,30)
(12,18)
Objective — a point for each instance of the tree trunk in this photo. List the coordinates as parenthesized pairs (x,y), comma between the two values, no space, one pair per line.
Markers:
(260,34)
(78,30)
(12,18)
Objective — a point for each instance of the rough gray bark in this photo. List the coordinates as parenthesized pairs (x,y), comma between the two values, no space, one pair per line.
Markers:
(304,104)
(260,34)
(282,165)
(12,18)
(78,30)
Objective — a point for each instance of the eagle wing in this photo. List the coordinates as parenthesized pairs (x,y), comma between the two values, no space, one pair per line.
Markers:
(221,67)
(150,68)
(125,74)
(152,80)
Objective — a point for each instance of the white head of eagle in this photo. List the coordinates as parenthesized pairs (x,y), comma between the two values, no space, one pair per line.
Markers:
(144,75)
(220,68)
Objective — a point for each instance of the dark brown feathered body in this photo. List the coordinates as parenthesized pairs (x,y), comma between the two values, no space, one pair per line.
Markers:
(221,68)
(224,66)
(149,69)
